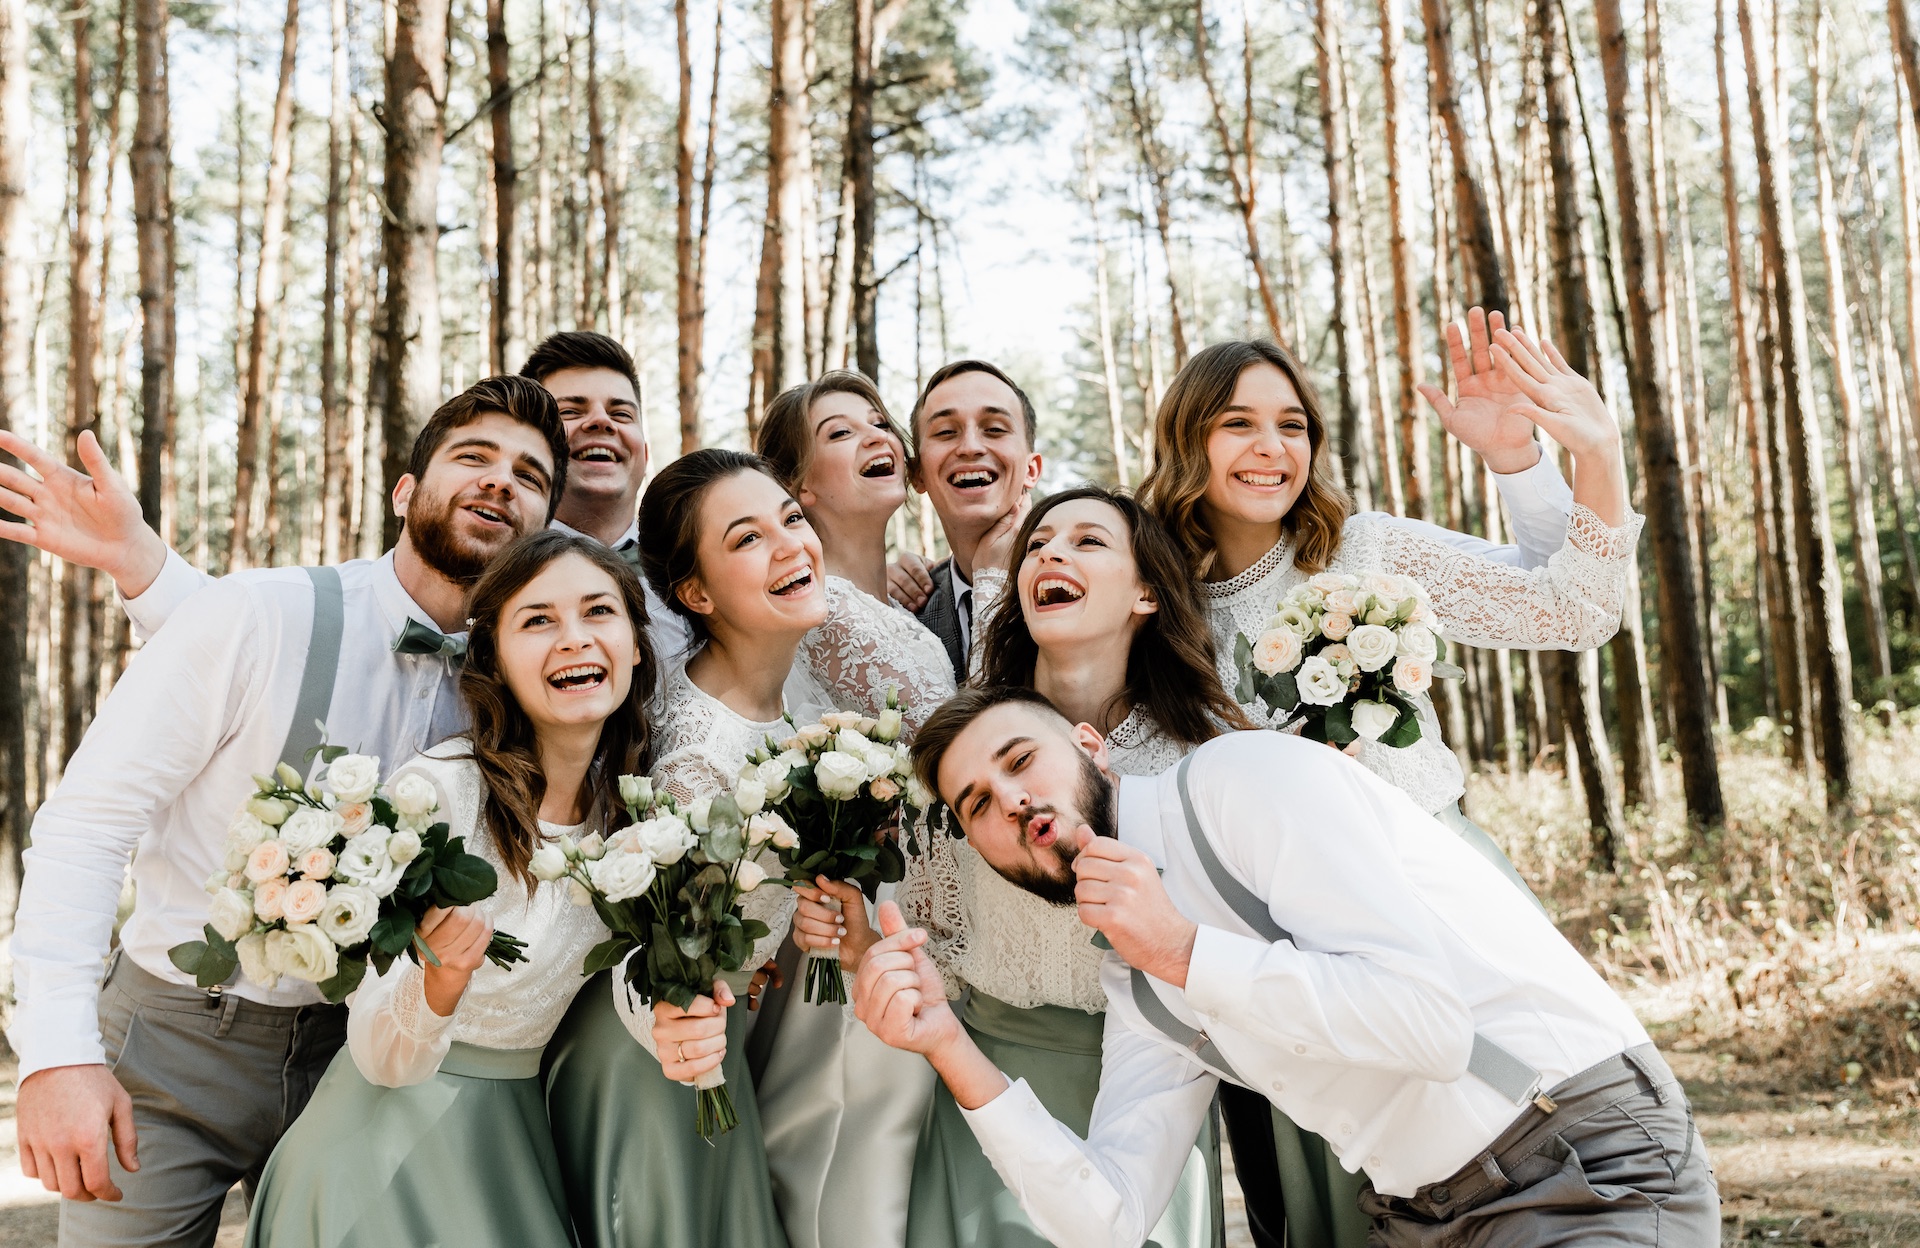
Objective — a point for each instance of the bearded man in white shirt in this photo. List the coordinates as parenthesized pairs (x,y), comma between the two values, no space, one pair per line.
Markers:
(145,1099)
(1282,919)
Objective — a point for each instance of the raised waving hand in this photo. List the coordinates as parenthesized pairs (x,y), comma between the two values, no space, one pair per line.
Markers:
(91,518)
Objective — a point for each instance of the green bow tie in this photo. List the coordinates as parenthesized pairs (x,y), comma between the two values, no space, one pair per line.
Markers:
(630,551)
(418,638)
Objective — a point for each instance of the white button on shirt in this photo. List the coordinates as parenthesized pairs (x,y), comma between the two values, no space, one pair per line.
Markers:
(1406,943)
(203,706)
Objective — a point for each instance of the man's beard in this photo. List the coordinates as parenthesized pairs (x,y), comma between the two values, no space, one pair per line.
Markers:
(442,547)
(1096,807)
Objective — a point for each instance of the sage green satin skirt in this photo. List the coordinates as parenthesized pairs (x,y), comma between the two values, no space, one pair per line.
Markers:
(958,1201)
(637,1173)
(463,1160)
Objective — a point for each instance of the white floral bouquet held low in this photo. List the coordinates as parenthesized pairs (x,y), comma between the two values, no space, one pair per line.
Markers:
(834,792)
(322,878)
(668,886)
(1345,658)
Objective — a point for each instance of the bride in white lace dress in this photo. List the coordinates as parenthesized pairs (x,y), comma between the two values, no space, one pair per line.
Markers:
(1243,476)
(431,1124)
(841,1109)
(1102,618)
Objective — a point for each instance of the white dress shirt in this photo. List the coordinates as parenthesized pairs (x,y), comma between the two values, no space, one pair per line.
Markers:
(180,580)
(204,706)
(962,606)
(1406,943)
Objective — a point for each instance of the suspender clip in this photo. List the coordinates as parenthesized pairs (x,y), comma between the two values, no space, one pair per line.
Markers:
(1545,1103)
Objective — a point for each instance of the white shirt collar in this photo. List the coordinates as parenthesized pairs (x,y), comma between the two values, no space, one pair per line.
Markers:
(961,585)
(626,539)
(396,604)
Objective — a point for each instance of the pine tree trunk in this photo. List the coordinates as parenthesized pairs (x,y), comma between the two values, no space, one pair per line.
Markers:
(1406,295)
(1103,312)
(1829,662)
(601,188)
(1682,647)
(408,353)
(788,166)
(1908,135)
(1783,582)
(153,231)
(16,246)
(688,312)
(1846,385)
(76,582)
(1153,158)
(1342,326)
(266,296)
(1238,178)
(859,180)
(336,510)
(543,274)
(1906,56)
(1474,221)
(503,336)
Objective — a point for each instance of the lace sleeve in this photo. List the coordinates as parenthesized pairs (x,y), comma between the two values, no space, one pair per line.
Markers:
(1573,603)
(932,896)
(865,646)
(989,597)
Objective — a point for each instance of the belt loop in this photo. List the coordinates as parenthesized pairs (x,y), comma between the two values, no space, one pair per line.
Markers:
(229,1006)
(1640,1064)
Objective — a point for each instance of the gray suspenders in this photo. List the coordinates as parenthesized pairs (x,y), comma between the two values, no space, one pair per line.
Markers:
(323,663)
(1490,1063)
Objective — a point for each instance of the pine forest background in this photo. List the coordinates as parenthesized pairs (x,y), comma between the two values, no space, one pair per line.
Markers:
(253,245)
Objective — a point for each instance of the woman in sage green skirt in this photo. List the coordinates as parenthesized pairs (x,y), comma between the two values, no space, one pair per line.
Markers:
(1098,613)
(430,1127)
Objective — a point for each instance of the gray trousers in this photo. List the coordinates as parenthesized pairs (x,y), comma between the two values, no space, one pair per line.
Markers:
(1617,1162)
(215,1081)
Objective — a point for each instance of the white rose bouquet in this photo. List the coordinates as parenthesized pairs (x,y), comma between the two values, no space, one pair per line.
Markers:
(668,886)
(834,792)
(322,878)
(1346,658)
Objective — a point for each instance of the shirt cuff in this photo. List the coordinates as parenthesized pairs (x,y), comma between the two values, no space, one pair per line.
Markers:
(1221,973)
(1010,1122)
(57,1033)
(177,581)
(1540,486)
(411,1013)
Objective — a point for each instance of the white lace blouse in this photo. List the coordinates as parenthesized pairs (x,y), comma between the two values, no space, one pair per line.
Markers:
(867,645)
(394,1037)
(1483,599)
(1011,944)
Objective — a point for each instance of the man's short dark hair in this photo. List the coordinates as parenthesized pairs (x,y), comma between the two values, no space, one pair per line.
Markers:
(956,715)
(516,398)
(948,372)
(580,348)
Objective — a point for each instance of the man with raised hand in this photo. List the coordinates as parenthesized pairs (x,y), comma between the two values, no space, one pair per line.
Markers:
(973,456)
(93,518)
(1282,919)
(143,1100)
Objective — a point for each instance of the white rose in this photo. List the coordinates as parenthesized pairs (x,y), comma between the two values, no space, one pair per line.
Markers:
(621,877)
(636,791)
(268,860)
(592,846)
(267,897)
(1411,675)
(839,775)
(218,880)
(245,832)
(1418,642)
(1342,659)
(1320,683)
(1299,620)
(302,951)
(1332,582)
(664,838)
(413,795)
(813,735)
(1383,585)
(1379,615)
(1277,651)
(308,828)
(1343,602)
(353,777)
(749,876)
(303,901)
(1335,626)
(772,776)
(364,861)
(1372,719)
(349,914)
(269,810)
(887,727)
(1373,647)
(403,846)
(917,795)
(849,741)
(316,864)
(252,949)
(697,813)
(355,818)
(548,863)
(750,796)
(769,826)
(785,837)
(840,720)
(883,788)
(231,913)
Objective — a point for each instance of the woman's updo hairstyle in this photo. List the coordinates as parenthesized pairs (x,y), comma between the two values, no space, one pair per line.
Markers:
(670,521)
(1177,485)
(786,440)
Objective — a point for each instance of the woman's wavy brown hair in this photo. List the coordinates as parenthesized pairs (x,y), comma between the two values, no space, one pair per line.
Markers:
(1177,484)
(501,740)
(1170,665)
(786,439)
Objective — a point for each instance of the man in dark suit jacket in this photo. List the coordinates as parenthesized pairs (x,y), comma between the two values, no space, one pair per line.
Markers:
(973,434)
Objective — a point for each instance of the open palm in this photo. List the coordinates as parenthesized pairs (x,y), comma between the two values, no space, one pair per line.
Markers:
(1488,412)
(90,518)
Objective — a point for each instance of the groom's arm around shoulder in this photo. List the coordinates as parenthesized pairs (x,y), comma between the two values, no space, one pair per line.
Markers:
(1359,983)
(176,705)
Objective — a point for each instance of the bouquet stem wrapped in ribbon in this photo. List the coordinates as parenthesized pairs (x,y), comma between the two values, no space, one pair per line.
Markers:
(1345,658)
(668,886)
(836,791)
(321,879)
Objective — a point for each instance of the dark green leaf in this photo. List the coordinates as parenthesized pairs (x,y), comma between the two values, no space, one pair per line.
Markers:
(393,932)
(461,879)
(607,954)
(1339,724)
(351,971)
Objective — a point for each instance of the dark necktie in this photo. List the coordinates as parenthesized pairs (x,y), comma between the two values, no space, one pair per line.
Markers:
(629,551)
(418,638)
